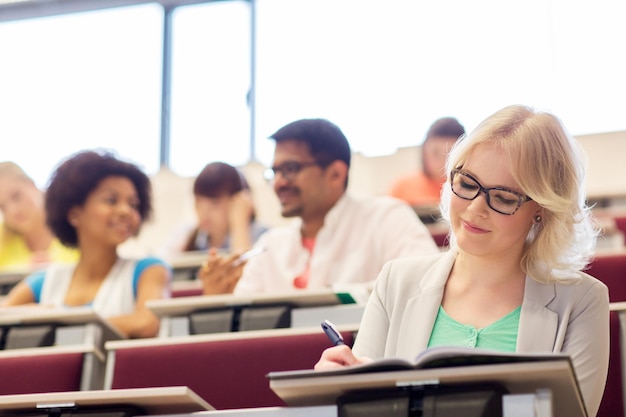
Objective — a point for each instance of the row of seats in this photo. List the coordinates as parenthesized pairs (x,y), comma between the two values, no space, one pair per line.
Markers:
(46,371)
(611,269)
(228,371)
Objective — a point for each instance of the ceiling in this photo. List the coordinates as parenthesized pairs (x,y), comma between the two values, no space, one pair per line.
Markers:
(28,9)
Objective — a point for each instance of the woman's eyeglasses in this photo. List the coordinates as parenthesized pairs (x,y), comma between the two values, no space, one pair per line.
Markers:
(499,199)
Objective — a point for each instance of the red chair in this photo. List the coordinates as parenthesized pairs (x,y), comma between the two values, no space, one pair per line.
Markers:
(611,270)
(441,239)
(186,288)
(620,223)
(227,373)
(38,373)
(612,404)
(440,233)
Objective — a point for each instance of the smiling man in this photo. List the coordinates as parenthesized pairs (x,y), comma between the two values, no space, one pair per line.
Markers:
(337,240)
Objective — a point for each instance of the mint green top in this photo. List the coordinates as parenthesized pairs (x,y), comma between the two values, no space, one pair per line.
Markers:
(500,335)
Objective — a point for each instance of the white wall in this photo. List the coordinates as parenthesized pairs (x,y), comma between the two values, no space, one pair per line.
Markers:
(607,158)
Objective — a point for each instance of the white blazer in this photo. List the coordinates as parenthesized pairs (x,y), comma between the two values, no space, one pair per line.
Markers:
(560,318)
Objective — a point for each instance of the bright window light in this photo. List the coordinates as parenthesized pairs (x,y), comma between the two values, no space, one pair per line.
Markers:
(210,85)
(381,70)
(77,81)
(384,70)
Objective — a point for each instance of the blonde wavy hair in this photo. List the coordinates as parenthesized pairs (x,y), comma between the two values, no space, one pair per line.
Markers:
(549,166)
(11,170)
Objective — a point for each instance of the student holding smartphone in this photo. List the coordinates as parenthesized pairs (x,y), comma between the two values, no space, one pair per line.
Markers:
(335,240)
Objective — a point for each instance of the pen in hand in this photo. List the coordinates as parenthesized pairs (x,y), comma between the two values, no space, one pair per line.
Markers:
(332,333)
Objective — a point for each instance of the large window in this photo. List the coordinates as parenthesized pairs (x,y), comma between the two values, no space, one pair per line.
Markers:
(384,70)
(589,64)
(210,85)
(81,81)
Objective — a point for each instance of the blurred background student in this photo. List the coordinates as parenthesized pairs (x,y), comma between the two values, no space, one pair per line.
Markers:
(95,202)
(26,242)
(336,240)
(423,188)
(225,215)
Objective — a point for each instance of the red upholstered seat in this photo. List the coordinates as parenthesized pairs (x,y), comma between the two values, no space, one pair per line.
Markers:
(612,404)
(620,223)
(439,231)
(40,373)
(226,373)
(441,239)
(611,269)
(186,292)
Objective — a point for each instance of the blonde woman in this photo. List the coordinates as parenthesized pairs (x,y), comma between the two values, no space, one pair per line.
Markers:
(26,241)
(511,281)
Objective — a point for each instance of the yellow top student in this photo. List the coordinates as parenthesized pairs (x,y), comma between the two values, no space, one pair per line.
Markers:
(26,242)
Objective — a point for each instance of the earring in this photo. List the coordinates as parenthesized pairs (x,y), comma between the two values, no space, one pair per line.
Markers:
(538,218)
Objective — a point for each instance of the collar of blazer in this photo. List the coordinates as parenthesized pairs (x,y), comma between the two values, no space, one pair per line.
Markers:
(538,325)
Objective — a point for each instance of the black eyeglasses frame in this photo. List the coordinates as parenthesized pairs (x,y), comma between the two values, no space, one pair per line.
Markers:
(522,198)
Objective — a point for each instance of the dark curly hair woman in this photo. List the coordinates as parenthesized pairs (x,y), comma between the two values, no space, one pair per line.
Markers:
(95,202)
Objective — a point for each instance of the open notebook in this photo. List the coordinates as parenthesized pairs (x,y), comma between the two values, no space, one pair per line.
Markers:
(519,373)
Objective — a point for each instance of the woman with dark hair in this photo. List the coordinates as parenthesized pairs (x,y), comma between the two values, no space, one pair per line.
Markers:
(224,211)
(95,202)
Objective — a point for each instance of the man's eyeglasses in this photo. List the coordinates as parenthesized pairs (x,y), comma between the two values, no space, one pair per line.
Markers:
(499,199)
(288,170)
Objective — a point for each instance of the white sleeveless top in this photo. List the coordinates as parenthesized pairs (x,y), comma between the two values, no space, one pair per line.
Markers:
(114,297)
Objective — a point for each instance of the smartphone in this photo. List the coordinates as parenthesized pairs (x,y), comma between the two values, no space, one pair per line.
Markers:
(249,254)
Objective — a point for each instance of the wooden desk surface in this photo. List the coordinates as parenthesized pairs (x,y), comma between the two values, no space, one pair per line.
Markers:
(164,400)
(52,350)
(35,314)
(12,277)
(215,337)
(518,378)
(191,259)
(185,305)
(619,306)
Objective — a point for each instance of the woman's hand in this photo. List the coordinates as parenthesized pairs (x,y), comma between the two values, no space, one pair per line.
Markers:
(154,284)
(338,357)
(240,211)
(219,274)
(240,207)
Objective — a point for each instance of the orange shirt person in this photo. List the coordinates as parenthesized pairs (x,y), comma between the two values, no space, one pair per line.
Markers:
(423,188)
